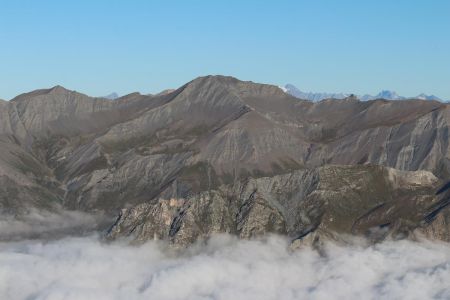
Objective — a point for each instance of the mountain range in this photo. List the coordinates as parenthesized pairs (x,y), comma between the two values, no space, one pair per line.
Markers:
(385,94)
(223,155)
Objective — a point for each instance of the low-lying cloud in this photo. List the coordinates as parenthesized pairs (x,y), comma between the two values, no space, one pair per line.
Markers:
(48,224)
(224,268)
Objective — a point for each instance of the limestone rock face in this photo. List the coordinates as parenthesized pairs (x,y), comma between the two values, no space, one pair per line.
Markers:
(360,200)
(223,155)
(438,227)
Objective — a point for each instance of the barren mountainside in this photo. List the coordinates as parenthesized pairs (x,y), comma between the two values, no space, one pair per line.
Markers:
(223,155)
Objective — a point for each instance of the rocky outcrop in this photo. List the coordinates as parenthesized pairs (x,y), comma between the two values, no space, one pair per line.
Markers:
(223,155)
(370,201)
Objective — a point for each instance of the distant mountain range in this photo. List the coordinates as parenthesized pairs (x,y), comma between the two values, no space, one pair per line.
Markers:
(385,94)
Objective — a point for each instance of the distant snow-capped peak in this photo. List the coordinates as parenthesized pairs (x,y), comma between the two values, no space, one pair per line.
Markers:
(390,95)
(294,91)
(385,94)
(428,97)
(111,96)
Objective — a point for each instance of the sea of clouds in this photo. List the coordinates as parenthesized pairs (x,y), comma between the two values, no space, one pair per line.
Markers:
(222,268)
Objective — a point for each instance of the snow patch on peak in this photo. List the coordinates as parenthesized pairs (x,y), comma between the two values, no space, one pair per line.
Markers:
(111,96)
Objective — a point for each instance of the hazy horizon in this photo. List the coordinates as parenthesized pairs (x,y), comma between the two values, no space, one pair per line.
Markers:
(346,46)
(113,92)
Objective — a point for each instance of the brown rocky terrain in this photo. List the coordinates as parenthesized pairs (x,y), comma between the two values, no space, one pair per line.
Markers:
(223,155)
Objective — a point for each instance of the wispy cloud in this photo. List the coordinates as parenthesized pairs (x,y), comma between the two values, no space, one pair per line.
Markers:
(223,268)
(46,224)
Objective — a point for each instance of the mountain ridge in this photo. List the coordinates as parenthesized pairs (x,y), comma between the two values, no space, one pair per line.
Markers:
(175,159)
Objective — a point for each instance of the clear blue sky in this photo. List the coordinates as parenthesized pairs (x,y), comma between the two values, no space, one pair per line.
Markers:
(98,47)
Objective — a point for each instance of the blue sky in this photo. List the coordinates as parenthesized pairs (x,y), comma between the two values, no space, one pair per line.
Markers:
(97,47)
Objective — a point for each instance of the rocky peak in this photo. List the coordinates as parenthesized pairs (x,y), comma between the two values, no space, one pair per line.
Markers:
(57,89)
(236,86)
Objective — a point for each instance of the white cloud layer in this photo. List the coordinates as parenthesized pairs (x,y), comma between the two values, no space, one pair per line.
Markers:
(225,268)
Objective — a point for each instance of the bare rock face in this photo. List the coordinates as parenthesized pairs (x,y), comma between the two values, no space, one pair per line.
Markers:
(223,155)
(360,200)
(438,227)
